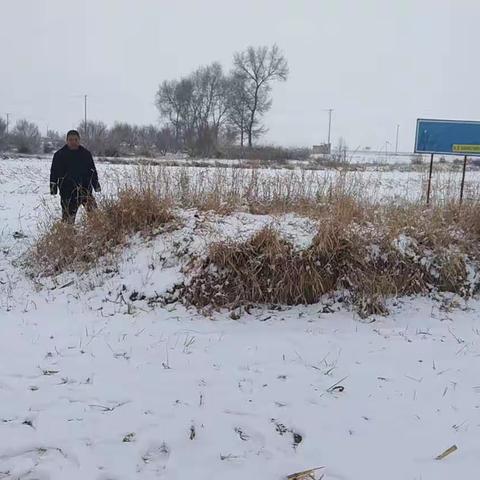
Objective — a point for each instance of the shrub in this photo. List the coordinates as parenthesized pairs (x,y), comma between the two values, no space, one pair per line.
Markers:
(416,159)
(368,256)
(272,154)
(65,247)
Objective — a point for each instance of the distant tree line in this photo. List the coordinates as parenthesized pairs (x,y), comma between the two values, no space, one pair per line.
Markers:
(200,113)
(25,137)
(121,139)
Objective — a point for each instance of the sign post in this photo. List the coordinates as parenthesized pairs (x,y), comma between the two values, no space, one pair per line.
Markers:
(447,137)
(463,179)
(430,179)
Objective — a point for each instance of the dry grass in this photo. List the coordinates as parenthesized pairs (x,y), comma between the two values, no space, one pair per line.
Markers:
(299,191)
(365,255)
(224,190)
(366,249)
(66,247)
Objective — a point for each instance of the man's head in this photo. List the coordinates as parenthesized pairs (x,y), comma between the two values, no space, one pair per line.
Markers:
(73,139)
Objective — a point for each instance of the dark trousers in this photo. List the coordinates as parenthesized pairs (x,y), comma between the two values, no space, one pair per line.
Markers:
(71,202)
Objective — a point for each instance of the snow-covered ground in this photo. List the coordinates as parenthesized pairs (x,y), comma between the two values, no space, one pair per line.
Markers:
(96,385)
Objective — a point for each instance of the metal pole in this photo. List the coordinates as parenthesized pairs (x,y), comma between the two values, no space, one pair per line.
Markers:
(430,180)
(85,105)
(396,140)
(330,110)
(463,179)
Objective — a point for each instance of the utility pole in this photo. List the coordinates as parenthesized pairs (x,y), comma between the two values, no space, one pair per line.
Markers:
(330,110)
(85,105)
(396,141)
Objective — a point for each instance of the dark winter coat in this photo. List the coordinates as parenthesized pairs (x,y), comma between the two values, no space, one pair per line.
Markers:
(73,170)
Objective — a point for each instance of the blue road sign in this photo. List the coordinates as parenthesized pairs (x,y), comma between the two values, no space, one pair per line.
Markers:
(448,137)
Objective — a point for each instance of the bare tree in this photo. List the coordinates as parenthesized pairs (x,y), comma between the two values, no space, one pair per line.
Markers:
(26,137)
(196,107)
(147,137)
(53,141)
(256,69)
(340,152)
(165,141)
(238,108)
(174,100)
(211,95)
(123,133)
(210,106)
(238,112)
(94,136)
(121,139)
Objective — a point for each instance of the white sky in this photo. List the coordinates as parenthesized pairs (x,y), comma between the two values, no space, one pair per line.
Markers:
(376,62)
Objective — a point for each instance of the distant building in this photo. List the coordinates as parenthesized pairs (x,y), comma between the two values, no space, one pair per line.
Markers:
(322,149)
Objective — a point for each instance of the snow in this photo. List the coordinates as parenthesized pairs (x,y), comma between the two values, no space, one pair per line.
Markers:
(95,387)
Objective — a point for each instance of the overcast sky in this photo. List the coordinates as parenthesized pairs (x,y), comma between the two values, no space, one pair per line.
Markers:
(378,63)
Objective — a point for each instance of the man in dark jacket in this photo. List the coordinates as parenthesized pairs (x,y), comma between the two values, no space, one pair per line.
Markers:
(73,172)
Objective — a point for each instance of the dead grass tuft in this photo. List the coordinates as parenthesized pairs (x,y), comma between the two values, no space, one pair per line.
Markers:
(364,256)
(65,247)
(265,269)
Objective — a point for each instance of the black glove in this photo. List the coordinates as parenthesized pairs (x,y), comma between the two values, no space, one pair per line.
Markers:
(98,189)
(53,189)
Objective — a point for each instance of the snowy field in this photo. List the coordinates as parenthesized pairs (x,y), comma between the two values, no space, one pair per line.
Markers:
(373,184)
(95,385)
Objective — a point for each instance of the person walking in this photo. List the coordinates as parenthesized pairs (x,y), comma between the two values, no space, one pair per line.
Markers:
(73,173)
